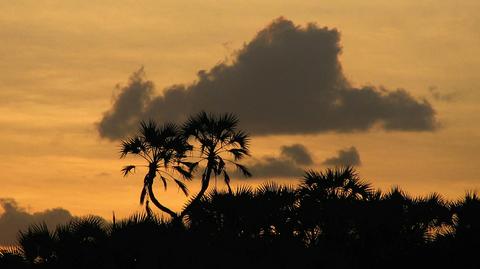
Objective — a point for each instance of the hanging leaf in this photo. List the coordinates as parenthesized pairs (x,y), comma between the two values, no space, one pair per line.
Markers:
(191,165)
(243,169)
(238,153)
(183,172)
(164,180)
(226,178)
(220,166)
(128,169)
(182,186)
(142,195)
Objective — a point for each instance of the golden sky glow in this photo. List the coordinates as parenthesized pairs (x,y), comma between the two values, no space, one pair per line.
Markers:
(60,62)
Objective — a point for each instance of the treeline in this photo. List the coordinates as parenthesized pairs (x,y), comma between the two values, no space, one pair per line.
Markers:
(332,219)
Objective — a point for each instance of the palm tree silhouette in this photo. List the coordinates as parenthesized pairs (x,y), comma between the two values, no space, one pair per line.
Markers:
(463,242)
(394,225)
(217,137)
(340,182)
(38,244)
(164,149)
(81,243)
(326,205)
(252,226)
(466,217)
(275,208)
(134,241)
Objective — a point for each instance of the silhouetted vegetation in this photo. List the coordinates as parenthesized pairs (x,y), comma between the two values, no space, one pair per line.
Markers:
(168,153)
(164,149)
(331,219)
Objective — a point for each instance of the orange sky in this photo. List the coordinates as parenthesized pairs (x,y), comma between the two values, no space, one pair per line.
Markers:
(61,61)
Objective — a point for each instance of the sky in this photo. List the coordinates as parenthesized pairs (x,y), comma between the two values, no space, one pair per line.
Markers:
(388,86)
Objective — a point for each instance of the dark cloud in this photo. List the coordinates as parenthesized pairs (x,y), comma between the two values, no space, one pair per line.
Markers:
(286,80)
(290,163)
(15,218)
(275,167)
(441,96)
(298,153)
(129,106)
(349,156)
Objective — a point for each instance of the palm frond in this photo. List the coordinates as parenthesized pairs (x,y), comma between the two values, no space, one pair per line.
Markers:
(310,177)
(142,195)
(244,190)
(182,186)
(133,145)
(183,172)
(191,165)
(128,169)
(220,166)
(243,170)
(150,132)
(227,122)
(164,181)
(241,139)
(238,153)
(269,187)
(226,178)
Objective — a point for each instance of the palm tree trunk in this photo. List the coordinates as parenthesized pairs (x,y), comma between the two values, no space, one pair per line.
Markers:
(151,195)
(205,183)
(158,204)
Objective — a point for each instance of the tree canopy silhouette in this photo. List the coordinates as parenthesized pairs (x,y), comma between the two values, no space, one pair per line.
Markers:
(164,149)
(220,144)
(215,139)
(331,219)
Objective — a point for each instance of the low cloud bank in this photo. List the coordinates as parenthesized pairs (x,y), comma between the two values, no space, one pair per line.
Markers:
(349,156)
(290,162)
(15,218)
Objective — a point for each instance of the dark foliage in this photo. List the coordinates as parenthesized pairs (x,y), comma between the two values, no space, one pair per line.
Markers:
(331,220)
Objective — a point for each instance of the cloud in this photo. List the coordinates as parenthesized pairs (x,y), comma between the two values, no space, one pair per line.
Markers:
(128,107)
(349,156)
(15,218)
(287,80)
(103,174)
(440,96)
(275,167)
(298,153)
(290,163)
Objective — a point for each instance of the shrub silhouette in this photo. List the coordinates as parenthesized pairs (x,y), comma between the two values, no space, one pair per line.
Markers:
(332,219)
